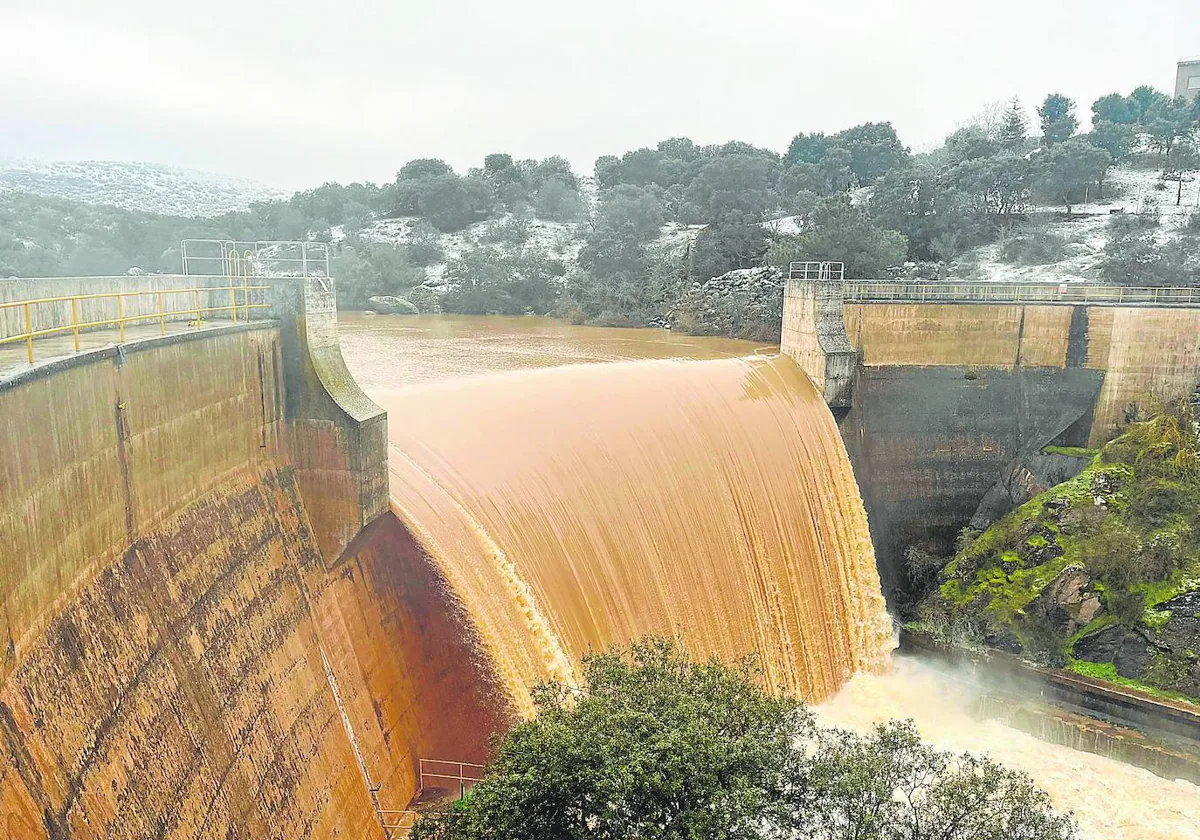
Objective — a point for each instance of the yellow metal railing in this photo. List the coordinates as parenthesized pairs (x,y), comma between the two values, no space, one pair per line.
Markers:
(238,310)
(463,772)
(397,824)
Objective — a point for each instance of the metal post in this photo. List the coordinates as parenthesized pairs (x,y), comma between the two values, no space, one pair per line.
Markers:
(121,315)
(75,321)
(162,319)
(304,259)
(247,269)
(29,333)
(199,315)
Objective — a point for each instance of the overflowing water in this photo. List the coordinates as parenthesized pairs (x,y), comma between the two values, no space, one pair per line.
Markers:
(580,506)
(575,508)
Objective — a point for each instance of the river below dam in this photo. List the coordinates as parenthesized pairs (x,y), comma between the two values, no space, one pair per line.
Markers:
(558,539)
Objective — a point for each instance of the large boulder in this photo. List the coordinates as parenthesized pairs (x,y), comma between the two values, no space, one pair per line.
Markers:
(1127,649)
(1069,601)
(1179,638)
(391,305)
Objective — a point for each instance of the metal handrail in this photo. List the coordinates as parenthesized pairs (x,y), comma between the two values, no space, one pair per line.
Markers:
(461,777)
(400,825)
(816,270)
(161,313)
(875,291)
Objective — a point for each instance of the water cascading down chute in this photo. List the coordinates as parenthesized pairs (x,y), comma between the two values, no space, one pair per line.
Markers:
(575,508)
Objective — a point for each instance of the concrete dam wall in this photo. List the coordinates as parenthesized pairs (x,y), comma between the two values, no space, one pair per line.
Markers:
(186,649)
(945,407)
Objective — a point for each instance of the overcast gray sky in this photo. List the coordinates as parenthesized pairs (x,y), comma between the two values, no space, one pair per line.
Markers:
(302,92)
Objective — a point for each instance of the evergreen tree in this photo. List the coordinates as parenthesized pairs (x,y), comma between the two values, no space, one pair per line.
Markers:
(1014,125)
(1064,173)
(1057,114)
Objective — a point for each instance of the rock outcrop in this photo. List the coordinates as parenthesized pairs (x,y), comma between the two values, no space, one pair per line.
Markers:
(392,305)
(745,302)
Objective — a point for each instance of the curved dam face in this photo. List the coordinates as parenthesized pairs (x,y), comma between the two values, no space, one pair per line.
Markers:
(579,507)
(179,658)
(213,626)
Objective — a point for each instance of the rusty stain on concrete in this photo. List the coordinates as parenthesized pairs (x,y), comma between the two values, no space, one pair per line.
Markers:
(165,602)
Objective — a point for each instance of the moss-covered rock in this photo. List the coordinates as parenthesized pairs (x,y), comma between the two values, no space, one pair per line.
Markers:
(1099,573)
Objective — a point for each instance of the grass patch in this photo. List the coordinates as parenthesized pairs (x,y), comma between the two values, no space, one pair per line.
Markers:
(1107,672)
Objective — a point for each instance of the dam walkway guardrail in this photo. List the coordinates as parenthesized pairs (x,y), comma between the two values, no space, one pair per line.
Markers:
(139,302)
(1072,294)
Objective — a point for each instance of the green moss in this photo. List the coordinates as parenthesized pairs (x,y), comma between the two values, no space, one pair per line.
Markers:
(1108,672)
(1071,451)
(1156,619)
(1149,479)
(1181,581)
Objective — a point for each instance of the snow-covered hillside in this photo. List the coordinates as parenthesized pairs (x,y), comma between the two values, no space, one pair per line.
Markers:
(555,240)
(135,186)
(1127,190)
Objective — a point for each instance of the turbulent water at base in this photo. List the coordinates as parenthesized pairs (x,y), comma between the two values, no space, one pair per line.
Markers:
(579,507)
(1109,799)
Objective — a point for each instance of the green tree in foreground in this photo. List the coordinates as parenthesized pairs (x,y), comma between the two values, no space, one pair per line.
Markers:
(654,746)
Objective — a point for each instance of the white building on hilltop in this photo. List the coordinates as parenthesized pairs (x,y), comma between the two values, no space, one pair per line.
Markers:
(1187,78)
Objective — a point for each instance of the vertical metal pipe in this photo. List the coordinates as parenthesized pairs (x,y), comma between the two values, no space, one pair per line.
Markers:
(121,315)
(162,319)
(29,332)
(75,321)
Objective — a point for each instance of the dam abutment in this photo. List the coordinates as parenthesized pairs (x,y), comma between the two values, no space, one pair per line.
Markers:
(956,389)
(337,435)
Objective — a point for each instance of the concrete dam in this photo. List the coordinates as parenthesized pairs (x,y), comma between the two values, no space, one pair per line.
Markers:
(233,603)
(946,395)
(238,598)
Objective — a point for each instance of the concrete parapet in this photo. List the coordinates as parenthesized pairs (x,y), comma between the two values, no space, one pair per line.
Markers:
(814,335)
(337,437)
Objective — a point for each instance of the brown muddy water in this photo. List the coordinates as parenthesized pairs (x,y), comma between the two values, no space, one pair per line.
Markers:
(707,497)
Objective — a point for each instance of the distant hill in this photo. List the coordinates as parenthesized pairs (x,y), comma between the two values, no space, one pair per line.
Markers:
(135,186)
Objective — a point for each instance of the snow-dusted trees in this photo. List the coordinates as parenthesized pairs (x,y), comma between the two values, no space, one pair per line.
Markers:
(1064,172)
(1057,116)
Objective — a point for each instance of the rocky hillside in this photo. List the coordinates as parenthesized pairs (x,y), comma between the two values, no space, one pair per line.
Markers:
(135,186)
(1099,574)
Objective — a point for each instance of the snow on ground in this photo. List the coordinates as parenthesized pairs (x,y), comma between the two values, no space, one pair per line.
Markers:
(557,240)
(135,186)
(1127,190)
(783,226)
(676,238)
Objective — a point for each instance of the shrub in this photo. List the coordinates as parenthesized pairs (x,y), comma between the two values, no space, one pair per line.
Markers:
(512,231)
(1034,248)
(650,745)
(1112,555)
(425,245)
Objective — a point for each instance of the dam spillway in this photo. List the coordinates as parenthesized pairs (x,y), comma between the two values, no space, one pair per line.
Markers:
(212,625)
(575,508)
